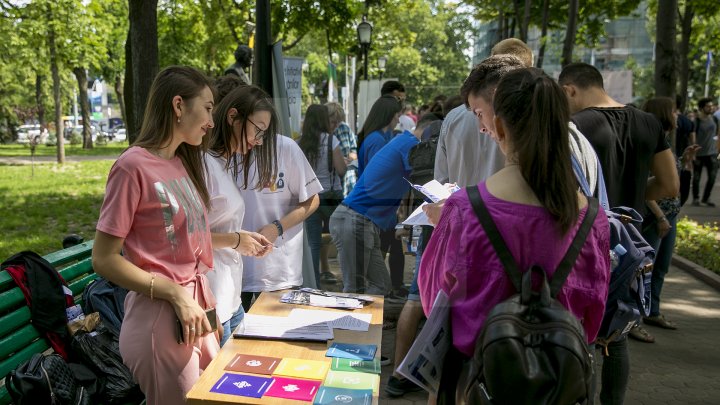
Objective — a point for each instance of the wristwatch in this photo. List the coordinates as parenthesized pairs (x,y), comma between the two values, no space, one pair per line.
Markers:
(279,227)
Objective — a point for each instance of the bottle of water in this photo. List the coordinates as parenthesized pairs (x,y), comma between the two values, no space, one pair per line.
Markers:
(615,254)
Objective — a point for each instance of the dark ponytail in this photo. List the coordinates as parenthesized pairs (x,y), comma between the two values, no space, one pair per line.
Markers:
(535,112)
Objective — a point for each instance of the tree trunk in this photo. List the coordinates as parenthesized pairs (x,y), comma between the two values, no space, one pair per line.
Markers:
(525,27)
(543,33)
(512,28)
(665,49)
(518,16)
(120,98)
(56,88)
(570,33)
(82,80)
(144,50)
(501,27)
(39,99)
(683,51)
(130,129)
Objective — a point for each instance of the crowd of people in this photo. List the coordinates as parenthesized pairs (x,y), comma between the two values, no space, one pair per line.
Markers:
(211,206)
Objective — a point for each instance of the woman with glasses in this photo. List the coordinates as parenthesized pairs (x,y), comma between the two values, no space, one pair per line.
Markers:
(244,131)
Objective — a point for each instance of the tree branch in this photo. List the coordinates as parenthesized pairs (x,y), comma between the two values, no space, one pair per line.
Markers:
(292,45)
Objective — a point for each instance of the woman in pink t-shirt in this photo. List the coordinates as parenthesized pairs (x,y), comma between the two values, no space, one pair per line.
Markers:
(153,239)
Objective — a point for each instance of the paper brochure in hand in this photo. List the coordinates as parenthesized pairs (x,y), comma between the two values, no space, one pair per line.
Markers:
(424,362)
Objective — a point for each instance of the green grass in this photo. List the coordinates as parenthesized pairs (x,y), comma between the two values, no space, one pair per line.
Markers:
(21,150)
(699,243)
(39,210)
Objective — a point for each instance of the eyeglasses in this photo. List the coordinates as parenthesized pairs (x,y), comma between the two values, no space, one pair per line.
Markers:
(259,133)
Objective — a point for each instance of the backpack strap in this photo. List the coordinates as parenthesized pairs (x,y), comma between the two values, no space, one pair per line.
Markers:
(493,234)
(331,168)
(566,264)
(509,264)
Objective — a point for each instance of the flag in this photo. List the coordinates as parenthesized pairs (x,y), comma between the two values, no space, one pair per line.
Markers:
(332,81)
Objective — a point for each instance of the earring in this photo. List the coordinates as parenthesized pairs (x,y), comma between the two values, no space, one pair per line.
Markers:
(178,120)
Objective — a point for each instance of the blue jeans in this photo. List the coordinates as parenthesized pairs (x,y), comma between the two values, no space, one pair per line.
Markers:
(663,255)
(615,373)
(358,244)
(232,323)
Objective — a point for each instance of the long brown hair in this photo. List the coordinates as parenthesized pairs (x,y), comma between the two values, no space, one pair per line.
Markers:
(316,123)
(246,100)
(381,115)
(156,131)
(535,111)
(662,109)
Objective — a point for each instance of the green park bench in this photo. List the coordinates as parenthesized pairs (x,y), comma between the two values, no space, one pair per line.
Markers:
(19,339)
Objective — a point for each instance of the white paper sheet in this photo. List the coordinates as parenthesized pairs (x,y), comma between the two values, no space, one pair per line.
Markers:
(282,327)
(418,217)
(336,320)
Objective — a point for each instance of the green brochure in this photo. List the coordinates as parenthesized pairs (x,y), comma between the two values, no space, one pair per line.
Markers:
(363,366)
(353,380)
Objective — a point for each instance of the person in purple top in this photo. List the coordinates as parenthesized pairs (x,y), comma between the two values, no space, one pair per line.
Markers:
(534,201)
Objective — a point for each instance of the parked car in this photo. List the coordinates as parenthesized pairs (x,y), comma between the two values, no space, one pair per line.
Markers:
(94,132)
(29,132)
(118,134)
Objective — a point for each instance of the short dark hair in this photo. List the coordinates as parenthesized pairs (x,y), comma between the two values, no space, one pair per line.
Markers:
(427,119)
(391,85)
(581,75)
(451,103)
(487,74)
(679,101)
(703,102)
(225,84)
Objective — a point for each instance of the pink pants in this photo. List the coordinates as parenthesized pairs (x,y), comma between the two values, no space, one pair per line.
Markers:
(164,369)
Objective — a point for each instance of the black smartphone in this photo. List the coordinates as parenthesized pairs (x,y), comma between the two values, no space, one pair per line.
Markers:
(211,317)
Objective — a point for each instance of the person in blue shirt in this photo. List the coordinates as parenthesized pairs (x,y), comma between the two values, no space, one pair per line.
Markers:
(369,209)
(377,129)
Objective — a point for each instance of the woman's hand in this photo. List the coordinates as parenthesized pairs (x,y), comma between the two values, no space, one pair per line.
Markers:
(267,246)
(663,227)
(269,231)
(192,317)
(252,243)
(686,160)
(433,211)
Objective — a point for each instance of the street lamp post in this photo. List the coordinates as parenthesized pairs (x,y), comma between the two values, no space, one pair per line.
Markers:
(381,65)
(364,31)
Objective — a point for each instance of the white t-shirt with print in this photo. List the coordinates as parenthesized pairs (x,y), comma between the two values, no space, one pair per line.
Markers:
(295,182)
(225,215)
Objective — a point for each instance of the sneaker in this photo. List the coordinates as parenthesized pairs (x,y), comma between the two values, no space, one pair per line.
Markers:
(397,387)
(639,333)
(401,292)
(696,203)
(660,321)
(708,203)
(385,361)
(327,277)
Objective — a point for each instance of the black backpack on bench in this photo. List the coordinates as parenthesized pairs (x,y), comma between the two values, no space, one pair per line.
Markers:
(531,349)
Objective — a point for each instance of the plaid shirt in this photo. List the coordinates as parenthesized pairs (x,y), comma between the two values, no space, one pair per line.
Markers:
(348,144)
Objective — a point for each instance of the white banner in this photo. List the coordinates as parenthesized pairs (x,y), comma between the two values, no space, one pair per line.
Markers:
(293,83)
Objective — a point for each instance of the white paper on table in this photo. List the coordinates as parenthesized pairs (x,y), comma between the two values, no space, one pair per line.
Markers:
(322,301)
(424,362)
(336,320)
(283,327)
(418,217)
